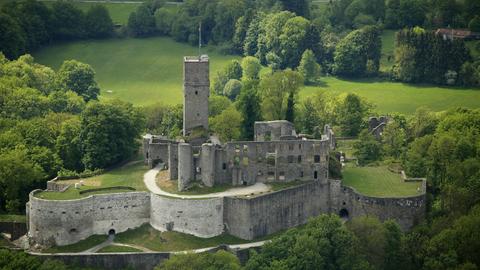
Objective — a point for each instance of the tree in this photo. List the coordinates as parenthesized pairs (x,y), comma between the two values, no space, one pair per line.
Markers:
(234,70)
(371,235)
(17,175)
(232,89)
(309,67)
(293,41)
(299,7)
(394,139)
(227,124)
(324,243)
(68,145)
(353,52)
(367,149)
(219,260)
(141,22)
(351,112)
(68,21)
(248,104)
(275,90)
(164,18)
(109,132)
(217,104)
(251,67)
(98,23)
(12,37)
(78,77)
(474,24)
(394,246)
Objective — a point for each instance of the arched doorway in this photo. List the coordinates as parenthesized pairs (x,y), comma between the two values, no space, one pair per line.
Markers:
(343,213)
(111,232)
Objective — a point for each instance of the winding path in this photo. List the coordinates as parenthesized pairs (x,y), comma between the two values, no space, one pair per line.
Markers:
(149,178)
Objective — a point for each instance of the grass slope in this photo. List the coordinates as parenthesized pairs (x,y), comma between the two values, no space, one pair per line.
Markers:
(115,248)
(146,71)
(142,71)
(130,175)
(152,239)
(79,246)
(378,182)
(399,97)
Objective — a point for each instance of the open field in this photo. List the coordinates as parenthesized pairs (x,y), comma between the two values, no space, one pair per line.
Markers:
(378,182)
(142,71)
(130,175)
(399,97)
(146,71)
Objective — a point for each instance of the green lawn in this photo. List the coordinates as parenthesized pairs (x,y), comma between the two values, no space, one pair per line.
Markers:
(399,97)
(115,248)
(79,246)
(152,239)
(142,71)
(378,182)
(16,218)
(130,175)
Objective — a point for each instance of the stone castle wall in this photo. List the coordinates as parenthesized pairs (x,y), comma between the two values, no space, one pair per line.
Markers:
(247,217)
(202,217)
(257,216)
(406,211)
(64,222)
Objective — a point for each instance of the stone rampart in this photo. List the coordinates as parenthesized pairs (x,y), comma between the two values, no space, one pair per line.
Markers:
(63,222)
(201,217)
(406,211)
(257,216)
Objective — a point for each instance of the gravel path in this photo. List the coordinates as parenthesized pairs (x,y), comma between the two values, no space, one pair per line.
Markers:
(150,176)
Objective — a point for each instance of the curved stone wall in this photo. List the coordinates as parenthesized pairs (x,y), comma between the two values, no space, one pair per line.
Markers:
(202,217)
(406,211)
(247,217)
(64,222)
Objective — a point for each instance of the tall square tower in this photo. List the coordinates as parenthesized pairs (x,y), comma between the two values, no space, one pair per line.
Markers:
(196,91)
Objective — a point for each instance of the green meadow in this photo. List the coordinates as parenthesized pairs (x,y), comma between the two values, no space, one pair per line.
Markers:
(146,71)
(141,71)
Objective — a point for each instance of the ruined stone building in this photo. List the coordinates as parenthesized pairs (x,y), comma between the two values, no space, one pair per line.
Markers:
(277,154)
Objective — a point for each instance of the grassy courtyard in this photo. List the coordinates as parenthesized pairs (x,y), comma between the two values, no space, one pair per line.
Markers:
(149,70)
(378,182)
(129,175)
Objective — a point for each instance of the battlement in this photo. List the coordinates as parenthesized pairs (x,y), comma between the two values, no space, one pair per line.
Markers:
(201,58)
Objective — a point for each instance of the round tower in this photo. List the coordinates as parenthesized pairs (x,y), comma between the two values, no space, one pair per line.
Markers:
(207,163)
(185,165)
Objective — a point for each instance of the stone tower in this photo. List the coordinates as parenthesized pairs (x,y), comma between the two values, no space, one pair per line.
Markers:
(196,90)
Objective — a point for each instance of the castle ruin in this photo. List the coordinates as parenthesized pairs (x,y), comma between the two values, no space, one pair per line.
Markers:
(277,154)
